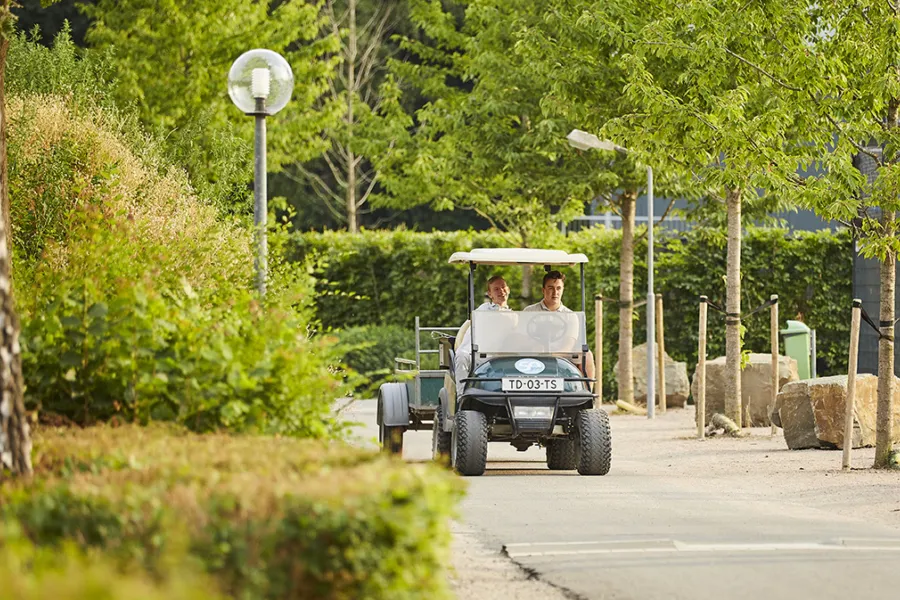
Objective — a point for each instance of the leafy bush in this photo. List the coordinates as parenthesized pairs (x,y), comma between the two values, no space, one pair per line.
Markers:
(264,517)
(215,159)
(29,572)
(388,278)
(135,299)
(373,349)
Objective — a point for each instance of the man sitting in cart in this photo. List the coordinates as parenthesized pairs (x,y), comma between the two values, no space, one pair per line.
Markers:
(552,288)
(498,294)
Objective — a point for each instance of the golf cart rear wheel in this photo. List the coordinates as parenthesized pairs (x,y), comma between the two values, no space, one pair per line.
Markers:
(561,455)
(469,447)
(593,442)
(391,439)
(440,439)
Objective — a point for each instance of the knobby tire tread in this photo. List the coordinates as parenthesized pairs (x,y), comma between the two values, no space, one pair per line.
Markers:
(594,456)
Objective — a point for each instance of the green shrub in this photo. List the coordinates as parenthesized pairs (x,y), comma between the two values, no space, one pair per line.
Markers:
(98,343)
(136,301)
(29,572)
(373,350)
(213,157)
(389,278)
(264,517)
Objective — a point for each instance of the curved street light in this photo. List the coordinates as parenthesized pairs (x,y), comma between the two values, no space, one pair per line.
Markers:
(260,83)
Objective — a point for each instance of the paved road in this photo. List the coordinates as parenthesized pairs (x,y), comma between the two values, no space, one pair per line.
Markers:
(678,518)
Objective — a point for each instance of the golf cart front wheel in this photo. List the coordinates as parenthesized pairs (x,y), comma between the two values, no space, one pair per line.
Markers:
(593,442)
(469,446)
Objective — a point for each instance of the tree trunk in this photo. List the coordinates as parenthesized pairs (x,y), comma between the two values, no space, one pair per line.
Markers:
(884,419)
(15,438)
(626,299)
(527,274)
(733,310)
(352,213)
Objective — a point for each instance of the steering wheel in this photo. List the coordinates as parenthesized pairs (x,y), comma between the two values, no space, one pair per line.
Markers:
(547,328)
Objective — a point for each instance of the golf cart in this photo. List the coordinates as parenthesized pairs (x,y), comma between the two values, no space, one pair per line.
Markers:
(526,383)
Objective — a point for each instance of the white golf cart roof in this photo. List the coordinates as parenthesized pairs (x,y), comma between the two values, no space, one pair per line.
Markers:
(517,256)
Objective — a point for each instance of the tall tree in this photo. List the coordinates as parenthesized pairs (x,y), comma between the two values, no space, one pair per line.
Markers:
(15,437)
(343,178)
(838,63)
(697,106)
(481,142)
(171,60)
(577,50)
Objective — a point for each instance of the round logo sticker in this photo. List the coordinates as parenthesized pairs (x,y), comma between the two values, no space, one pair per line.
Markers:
(529,366)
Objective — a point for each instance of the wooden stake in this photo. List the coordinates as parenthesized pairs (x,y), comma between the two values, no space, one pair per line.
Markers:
(773,312)
(701,373)
(851,384)
(598,350)
(661,353)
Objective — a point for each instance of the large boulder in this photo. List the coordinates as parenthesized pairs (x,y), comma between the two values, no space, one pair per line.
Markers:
(811,412)
(677,386)
(756,387)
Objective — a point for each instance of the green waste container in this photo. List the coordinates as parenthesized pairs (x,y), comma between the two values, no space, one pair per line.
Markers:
(796,345)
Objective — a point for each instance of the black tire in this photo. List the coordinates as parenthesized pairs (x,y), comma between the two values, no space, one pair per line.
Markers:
(561,455)
(391,439)
(469,446)
(440,439)
(593,442)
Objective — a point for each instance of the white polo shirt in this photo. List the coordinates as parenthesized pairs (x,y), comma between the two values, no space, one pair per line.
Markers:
(541,306)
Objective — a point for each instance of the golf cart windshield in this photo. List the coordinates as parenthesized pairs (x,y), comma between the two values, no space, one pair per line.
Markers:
(538,332)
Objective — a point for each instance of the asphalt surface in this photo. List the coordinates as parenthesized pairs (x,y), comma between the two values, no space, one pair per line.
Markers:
(675,518)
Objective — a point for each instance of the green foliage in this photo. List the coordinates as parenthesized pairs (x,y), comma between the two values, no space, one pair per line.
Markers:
(135,299)
(388,278)
(216,158)
(482,142)
(263,517)
(31,572)
(171,62)
(61,69)
(373,349)
(99,343)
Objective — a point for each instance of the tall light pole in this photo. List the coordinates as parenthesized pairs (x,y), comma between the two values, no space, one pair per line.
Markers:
(588,141)
(260,83)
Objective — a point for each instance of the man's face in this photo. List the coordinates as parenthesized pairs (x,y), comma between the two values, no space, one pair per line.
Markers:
(553,292)
(498,292)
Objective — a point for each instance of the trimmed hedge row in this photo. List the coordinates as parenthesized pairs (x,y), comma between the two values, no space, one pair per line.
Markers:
(263,517)
(31,573)
(389,277)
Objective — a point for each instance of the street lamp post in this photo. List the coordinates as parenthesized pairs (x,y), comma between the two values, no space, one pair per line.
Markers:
(260,83)
(588,141)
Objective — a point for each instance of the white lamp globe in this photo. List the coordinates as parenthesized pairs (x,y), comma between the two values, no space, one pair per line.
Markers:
(260,76)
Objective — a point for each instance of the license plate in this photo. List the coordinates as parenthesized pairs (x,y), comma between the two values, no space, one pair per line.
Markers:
(532,384)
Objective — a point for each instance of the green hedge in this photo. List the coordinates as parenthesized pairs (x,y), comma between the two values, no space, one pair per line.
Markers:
(372,349)
(29,572)
(388,278)
(262,517)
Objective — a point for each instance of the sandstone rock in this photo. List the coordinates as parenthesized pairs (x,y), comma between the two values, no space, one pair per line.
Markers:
(811,412)
(677,385)
(756,385)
